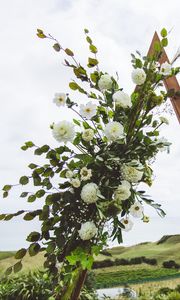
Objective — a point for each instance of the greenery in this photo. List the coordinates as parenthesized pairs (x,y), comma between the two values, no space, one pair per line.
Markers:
(92,177)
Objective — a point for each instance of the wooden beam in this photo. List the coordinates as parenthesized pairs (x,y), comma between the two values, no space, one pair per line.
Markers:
(170,83)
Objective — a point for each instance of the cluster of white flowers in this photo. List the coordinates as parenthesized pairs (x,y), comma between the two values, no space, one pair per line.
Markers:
(138,76)
(88,111)
(105,82)
(114,131)
(88,230)
(166,69)
(89,193)
(131,174)
(88,135)
(123,191)
(63,131)
(128,224)
(136,210)
(59,99)
(85,173)
(164,120)
(122,99)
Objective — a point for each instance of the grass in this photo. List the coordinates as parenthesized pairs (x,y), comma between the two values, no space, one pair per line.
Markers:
(6,254)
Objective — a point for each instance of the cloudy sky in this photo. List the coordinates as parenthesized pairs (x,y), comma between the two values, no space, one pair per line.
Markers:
(31,72)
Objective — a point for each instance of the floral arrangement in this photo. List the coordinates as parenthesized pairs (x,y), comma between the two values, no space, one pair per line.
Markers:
(92,178)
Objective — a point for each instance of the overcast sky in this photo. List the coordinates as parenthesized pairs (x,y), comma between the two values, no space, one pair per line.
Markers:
(31,72)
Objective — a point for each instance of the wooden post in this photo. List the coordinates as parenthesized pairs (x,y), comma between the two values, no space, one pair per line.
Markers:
(170,83)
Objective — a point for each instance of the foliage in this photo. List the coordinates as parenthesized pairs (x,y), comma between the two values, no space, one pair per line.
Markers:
(94,179)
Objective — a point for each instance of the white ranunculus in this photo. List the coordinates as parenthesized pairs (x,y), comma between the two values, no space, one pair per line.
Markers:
(59,99)
(63,131)
(88,230)
(136,210)
(88,111)
(128,224)
(85,173)
(122,99)
(114,131)
(164,120)
(75,182)
(138,76)
(105,82)
(166,69)
(131,174)
(69,174)
(89,193)
(88,135)
(122,193)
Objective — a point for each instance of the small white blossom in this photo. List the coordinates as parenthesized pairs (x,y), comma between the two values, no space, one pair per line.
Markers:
(126,183)
(122,193)
(114,131)
(89,193)
(131,174)
(166,69)
(88,135)
(136,210)
(138,76)
(85,173)
(88,111)
(128,224)
(88,230)
(122,99)
(63,131)
(75,182)
(164,120)
(105,82)
(59,99)
(145,219)
(69,174)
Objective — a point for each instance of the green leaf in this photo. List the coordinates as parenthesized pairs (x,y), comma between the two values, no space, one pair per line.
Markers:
(7,187)
(76,122)
(29,144)
(92,62)
(73,86)
(24,194)
(8,271)
(17,267)
(32,166)
(33,236)
(40,193)
(34,249)
(38,151)
(2,216)
(164,42)
(44,148)
(88,39)
(69,52)
(8,217)
(29,216)
(31,198)
(24,180)
(5,194)
(85,158)
(86,30)
(93,48)
(164,32)
(57,47)
(20,253)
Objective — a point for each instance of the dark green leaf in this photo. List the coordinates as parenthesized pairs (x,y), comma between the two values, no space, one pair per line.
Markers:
(20,253)
(69,52)
(32,166)
(164,42)
(24,180)
(24,194)
(92,62)
(33,236)
(57,47)
(17,267)
(7,187)
(34,249)
(31,198)
(40,193)
(8,271)
(73,86)
(93,48)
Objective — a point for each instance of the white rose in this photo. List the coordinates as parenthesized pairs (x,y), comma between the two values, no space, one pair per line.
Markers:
(63,131)
(85,173)
(88,111)
(166,69)
(122,193)
(138,76)
(122,99)
(88,135)
(128,224)
(114,131)
(75,182)
(59,99)
(105,82)
(136,210)
(89,193)
(88,230)
(131,174)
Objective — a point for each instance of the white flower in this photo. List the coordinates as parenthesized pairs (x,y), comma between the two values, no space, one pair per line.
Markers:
(164,120)
(59,99)
(75,182)
(131,174)
(88,230)
(145,219)
(114,131)
(88,135)
(136,210)
(88,111)
(63,131)
(85,173)
(126,183)
(138,76)
(128,224)
(69,174)
(122,193)
(166,69)
(105,82)
(89,193)
(122,99)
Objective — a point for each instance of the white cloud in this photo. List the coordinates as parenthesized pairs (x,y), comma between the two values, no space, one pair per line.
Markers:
(31,72)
